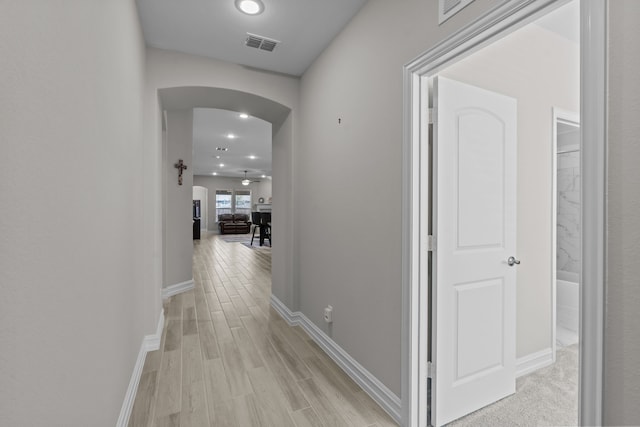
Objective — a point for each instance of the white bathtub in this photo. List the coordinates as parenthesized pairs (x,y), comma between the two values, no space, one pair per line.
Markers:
(568,304)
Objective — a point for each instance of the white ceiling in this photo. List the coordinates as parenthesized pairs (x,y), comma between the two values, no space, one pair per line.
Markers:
(253,138)
(215,28)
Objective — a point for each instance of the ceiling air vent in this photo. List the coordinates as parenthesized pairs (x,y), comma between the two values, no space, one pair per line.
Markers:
(448,8)
(450,4)
(260,42)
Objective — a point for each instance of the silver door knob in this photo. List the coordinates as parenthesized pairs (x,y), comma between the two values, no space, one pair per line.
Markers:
(512,261)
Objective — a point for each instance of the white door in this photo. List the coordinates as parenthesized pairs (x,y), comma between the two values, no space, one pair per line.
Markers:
(474,292)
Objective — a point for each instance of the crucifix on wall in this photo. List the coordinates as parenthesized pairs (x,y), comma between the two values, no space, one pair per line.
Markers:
(181,167)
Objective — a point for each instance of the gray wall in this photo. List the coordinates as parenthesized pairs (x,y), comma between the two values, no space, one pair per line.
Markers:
(348,177)
(75,300)
(622,355)
(263,189)
(178,260)
(284,259)
(213,183)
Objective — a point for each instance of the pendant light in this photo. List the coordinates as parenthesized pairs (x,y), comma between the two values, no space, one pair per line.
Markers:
(246,181)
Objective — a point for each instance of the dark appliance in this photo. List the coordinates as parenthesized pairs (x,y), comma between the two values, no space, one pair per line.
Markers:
(196,220)
(196,209)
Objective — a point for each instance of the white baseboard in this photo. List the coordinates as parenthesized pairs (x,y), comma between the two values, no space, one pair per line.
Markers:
(369,383)
(178,288)
(152,342)
(291,317)
(149,343)
(534,361)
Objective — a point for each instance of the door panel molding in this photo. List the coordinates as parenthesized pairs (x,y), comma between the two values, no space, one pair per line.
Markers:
(473,347)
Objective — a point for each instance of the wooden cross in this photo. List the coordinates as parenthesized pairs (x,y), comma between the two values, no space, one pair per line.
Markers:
(181,167)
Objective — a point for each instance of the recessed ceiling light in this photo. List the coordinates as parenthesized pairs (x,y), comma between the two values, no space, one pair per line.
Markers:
(231,136)
(252,157)
(217,157)
(215,173)
(250,7)
(221,165)
(244,116)
(264,176)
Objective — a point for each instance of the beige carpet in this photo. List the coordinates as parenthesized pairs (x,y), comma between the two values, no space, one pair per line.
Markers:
(547,397)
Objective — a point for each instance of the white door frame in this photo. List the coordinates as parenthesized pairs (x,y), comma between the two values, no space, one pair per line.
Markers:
(504,18)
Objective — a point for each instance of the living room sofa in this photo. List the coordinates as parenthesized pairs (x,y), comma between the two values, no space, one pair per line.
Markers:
(234,223)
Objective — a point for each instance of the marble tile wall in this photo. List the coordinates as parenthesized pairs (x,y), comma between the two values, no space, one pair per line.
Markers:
(568,254)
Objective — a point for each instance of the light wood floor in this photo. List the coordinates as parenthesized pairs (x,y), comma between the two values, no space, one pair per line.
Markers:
(228,359)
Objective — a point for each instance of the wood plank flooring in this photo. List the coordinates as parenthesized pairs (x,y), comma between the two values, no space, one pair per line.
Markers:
(227,359)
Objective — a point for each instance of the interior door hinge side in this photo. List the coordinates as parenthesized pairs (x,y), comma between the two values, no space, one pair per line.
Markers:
(429,370)
(430,118)
(431,245)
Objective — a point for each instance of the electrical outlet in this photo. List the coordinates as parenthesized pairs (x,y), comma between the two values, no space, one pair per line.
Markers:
(328,314)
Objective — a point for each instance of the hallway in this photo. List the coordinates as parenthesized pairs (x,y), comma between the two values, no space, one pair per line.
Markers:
(227,359)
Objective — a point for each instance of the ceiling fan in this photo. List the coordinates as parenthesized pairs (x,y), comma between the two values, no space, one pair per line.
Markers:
(247,181)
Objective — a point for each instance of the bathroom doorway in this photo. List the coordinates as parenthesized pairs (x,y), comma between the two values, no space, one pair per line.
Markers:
(510,67)
(567,213)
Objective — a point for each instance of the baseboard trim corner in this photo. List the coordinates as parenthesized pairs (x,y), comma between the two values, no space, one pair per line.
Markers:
(380,393)
(290,317)
(149,343)
(152,342)
(178,288)
(534,361)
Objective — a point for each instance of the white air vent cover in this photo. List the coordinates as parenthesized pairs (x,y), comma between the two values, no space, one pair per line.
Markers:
(260,42)
(448,8)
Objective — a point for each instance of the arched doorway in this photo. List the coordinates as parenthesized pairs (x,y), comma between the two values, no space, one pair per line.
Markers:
(179,102)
